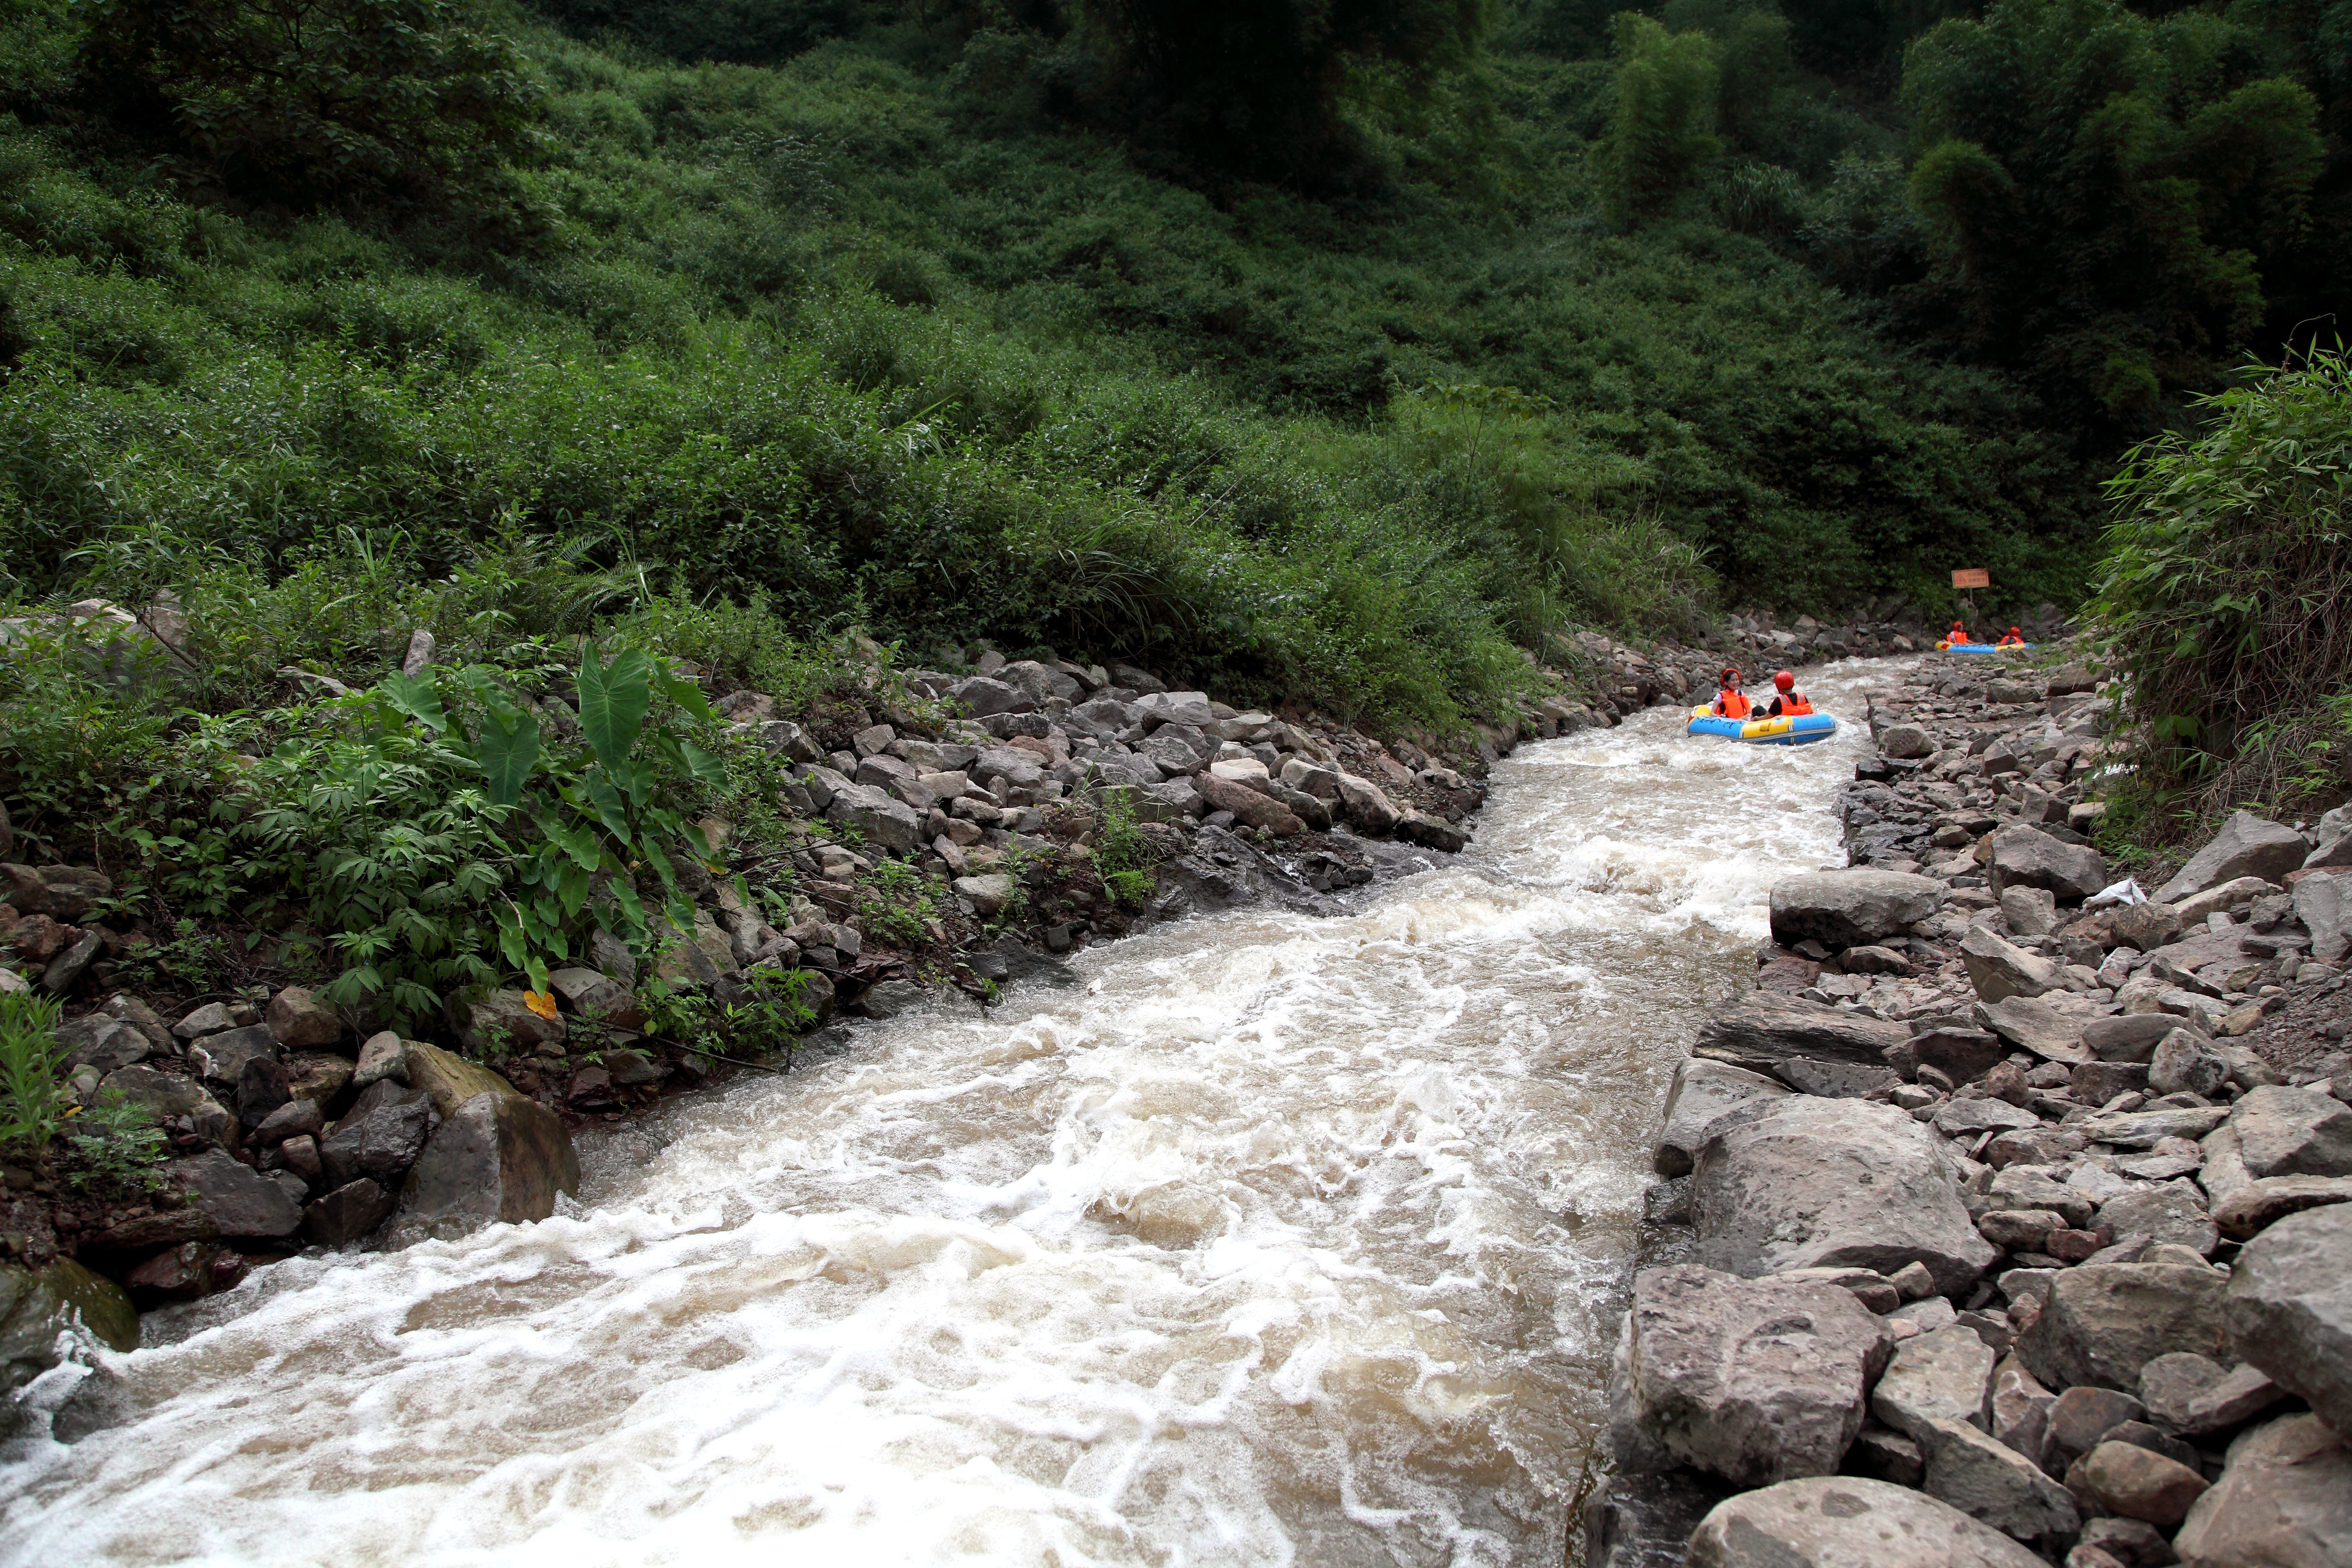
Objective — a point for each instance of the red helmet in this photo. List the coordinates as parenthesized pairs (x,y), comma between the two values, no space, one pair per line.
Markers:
(1729,676)
(1784,680)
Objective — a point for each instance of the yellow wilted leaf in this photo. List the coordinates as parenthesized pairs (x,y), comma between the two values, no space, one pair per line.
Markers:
(540,1003)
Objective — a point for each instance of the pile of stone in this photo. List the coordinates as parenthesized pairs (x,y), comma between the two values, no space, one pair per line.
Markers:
(2001,1249)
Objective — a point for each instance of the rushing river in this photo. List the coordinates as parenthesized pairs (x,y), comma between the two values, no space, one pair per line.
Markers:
(1278,1240)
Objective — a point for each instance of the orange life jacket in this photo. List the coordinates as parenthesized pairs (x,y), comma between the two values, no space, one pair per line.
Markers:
(2011,640)
(1958,633)
(1733,704)
(1792,703)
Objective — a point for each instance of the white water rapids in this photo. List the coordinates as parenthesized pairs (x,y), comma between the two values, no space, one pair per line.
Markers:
(1278,1240)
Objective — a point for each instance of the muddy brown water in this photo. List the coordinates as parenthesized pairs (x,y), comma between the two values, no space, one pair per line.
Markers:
(1276,1240)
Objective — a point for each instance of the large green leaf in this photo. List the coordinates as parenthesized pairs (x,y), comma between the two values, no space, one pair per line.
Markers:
(686,693)
(613,702)
(508,752)
(418,697)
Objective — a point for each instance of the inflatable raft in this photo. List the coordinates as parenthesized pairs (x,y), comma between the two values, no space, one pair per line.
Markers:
(1983,648)
(1801,731)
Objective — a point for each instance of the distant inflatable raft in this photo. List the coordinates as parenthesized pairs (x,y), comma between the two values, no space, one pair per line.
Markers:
(1984,647)
(1801,731)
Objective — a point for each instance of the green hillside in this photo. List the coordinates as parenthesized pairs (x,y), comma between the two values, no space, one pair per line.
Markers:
(1333,366)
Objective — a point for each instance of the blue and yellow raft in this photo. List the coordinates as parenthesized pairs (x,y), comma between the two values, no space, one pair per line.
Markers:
(1800,730)
(1983,648)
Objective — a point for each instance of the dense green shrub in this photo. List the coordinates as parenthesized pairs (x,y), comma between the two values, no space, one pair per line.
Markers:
(2224,591)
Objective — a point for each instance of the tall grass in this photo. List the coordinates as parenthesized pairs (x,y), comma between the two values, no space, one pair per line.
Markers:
(2222,596)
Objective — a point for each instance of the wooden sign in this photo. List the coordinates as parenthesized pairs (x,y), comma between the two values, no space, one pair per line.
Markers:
(1971,577)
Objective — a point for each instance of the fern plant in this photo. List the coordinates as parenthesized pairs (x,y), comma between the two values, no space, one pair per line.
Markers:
(32,1100)
(443,841)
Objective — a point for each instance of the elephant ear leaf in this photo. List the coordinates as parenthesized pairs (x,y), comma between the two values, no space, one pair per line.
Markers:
(508,752)
(687,694)
(613,702)
(418,697)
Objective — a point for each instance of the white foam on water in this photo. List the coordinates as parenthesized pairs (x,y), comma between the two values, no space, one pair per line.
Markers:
(1280,1240)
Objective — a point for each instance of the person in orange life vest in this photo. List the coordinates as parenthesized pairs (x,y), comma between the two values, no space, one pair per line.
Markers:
(1790,703)
(1959,633)
(2014,639)
(1730,702)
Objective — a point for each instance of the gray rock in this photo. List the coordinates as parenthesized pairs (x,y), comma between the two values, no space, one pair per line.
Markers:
(1834,1080)
(1757,1029)
(238,1199)
(2185,1064)
(1800,1182)
(502,1021)
(1981,1115)
(989,894)
(2144,1129)
(1849,909)
(38,1306)
(381,1136)
(2247,846)
(2128,1037)
(594,994)
(1963,1055)
(2029,912)
(2167,1212)
(2193,1395)
(893,998)
(2284,1501)
(2082,1417)
(2035,1026)
(64,893)
(212,1018)
(2026,856)
(2032,1187)
(382,1055)
(2020,1407)
(1845,1521)
(221,1059)
(167,1097)
(1945,1376)
(2320,905)
(301,1019)
(2000,970)
(347,1213)
(1703,1091)
(498,1159)
(95,1040)
(1755,1381)
(1906,742)
(2104,1322)
(1994,1483)
(2284,1132)
(2253,1206)
(982,697)
(2290,1309)
(885,821)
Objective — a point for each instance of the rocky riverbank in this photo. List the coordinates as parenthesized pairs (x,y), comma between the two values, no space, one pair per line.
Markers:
(960,828)
(2008,1223)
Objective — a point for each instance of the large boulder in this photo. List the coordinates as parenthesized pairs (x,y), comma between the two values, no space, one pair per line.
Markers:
(498,1158)
(236,1198)
(299,1018)
(2321,904)
(95,1040)
(2000,970)
(2290,1308)
(449,1080)
(1803,1182)
(1703,1091)
(2026,856)
(36,1306)
(2285,1131)
(1851,909)
(1757,1029)
(221,1059)
(2035,1026)
(1843,1522)
(2247,846)
(2284,1500)
(2101,1323)
(1755,1381)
